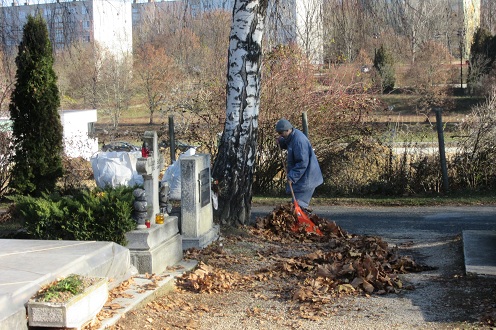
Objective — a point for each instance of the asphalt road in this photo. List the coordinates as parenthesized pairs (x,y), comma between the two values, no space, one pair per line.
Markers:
(404,222)
(432,236)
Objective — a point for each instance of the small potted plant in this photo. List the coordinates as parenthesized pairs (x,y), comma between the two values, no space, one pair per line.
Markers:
(69,302)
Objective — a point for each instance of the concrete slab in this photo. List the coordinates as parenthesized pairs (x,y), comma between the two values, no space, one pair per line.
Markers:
(479,249)
(27,265)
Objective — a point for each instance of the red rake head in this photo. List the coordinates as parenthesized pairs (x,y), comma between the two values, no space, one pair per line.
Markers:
(304,220)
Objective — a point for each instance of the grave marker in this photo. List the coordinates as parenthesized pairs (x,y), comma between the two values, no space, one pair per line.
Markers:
(153,249)
(150,167)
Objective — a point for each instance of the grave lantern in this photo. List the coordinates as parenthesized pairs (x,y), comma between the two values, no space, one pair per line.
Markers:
(145,150)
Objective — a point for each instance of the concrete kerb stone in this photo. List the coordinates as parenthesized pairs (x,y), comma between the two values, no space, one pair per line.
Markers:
(478,247)
(139,293)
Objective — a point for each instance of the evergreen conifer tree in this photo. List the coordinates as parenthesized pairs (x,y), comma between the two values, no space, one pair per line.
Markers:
(384,64)
(482,56)
(37,130)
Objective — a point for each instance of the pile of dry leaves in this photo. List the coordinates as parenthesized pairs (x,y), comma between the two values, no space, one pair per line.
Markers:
(317,269)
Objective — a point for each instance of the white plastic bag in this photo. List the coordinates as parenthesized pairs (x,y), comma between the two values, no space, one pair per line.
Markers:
(116,169)
(173,175)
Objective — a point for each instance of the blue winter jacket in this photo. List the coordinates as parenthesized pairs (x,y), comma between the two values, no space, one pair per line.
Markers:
(302,166)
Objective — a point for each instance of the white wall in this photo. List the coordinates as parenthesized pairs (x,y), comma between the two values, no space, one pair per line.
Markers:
(76,140)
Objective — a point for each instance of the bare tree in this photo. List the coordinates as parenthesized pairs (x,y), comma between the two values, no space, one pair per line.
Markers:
(488,15)
(477,150)
(346,29)
(234,164)
(212,29)
(115,87)
(156,74)
(418,21)
(429,76)
(79,69)
(402,26)
(480,126)
(7,78)
(477,78)
(156,19)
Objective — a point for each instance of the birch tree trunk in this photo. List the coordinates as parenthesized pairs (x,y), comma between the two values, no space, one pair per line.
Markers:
(234,166)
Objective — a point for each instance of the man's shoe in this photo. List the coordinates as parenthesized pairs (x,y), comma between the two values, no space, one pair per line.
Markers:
(307,210)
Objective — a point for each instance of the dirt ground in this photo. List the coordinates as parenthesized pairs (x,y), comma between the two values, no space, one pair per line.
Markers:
(254,279)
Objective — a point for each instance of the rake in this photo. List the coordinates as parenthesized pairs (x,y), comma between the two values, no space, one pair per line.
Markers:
(303,219)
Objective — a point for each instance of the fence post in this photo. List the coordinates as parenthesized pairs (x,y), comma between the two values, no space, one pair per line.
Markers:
(304,122)
(172,139)
(442,154)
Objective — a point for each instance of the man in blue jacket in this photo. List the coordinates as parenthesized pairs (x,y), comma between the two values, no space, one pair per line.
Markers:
(303,170)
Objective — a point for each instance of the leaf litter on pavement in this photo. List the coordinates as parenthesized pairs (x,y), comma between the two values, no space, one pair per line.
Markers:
(317,268)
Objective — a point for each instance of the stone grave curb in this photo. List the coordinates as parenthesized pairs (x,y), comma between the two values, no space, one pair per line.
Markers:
(139,293)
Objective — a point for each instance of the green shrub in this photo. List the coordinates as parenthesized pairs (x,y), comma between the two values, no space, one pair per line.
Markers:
(100,215)
(384,64)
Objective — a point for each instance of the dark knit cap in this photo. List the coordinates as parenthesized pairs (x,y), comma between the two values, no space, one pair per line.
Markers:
(283,125)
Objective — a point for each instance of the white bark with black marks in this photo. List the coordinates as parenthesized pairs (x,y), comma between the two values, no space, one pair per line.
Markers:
(233,168)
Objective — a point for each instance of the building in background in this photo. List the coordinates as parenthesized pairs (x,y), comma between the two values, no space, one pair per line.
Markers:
(288,21)
(105,22)
(299,22)
(110,23)
(151,17)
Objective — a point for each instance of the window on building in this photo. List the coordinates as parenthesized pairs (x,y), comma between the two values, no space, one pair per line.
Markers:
(59,36)
(86,24)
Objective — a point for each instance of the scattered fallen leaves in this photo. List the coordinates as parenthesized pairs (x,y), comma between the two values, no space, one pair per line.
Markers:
(210,280)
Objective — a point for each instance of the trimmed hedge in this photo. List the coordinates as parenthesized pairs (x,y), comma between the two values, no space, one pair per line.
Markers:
(99,214)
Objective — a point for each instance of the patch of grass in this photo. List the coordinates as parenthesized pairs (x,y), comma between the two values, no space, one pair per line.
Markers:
(401,103)
(71,286)
(453,200)
(407,103)
(463,104)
